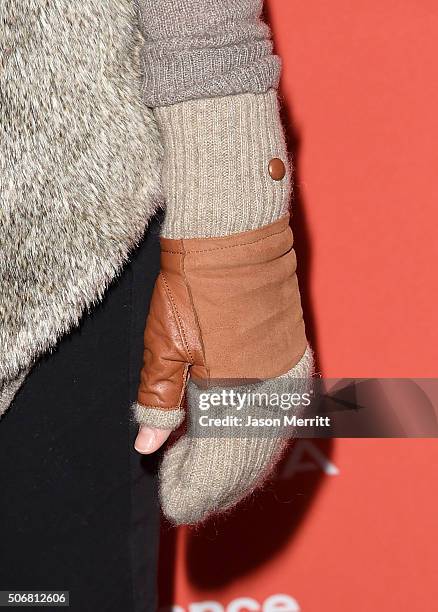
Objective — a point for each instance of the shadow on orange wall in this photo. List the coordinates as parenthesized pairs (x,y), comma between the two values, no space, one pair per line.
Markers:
(229,546)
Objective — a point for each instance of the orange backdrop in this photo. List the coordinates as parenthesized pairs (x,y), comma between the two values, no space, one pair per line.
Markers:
(348,525)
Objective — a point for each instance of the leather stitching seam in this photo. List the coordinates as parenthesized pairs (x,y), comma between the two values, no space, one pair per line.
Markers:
(231,246)
(184,382)
(178,317)
(192,303)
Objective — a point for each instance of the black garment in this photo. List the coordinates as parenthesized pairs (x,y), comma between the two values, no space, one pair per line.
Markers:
(79,508)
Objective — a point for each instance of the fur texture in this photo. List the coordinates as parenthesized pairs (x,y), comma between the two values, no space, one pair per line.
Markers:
(80,160)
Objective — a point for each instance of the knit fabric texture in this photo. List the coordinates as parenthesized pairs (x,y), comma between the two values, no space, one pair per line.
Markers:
(215,171)
(204,48)
(201,476)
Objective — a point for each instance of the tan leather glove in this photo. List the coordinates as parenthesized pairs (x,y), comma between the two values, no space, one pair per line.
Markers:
(222,308)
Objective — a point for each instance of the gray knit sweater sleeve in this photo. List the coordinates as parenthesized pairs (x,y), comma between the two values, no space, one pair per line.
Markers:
(205,48)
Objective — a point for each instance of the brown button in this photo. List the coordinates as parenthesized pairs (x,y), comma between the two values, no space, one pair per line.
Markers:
(276,169)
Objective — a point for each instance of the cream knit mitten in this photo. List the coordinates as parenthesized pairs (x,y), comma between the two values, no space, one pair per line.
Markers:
(226,181)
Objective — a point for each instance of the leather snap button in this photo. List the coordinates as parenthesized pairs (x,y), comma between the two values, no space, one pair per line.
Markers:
(276,169)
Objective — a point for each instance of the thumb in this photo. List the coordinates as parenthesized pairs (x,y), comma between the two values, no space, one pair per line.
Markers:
(149,439)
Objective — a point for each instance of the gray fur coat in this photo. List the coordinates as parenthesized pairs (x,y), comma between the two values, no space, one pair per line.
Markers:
(80,158)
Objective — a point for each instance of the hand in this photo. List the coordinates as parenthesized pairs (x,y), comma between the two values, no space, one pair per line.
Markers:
(150,439)
(204,325)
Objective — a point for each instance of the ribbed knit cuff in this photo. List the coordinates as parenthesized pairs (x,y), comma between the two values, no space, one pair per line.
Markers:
(204,48)
(153,417)
(215,177)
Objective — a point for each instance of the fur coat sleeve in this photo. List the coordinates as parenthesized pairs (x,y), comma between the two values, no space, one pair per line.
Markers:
(80,152)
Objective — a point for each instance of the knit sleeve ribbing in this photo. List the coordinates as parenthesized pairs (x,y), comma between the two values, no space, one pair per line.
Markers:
(204,48)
